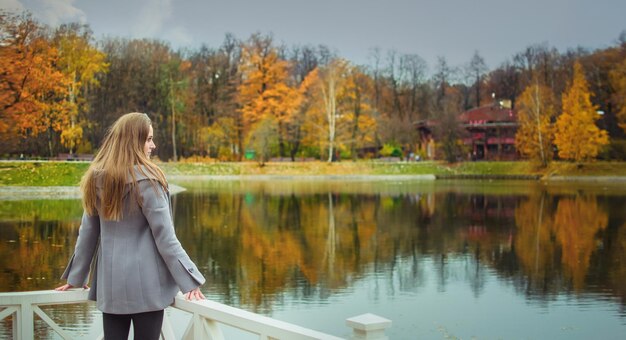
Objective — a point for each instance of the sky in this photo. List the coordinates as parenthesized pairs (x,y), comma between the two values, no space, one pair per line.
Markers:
(454,29)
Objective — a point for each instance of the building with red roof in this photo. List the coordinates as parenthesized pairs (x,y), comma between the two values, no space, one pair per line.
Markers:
(490,131)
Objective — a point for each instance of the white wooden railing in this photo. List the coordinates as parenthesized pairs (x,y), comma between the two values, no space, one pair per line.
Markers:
(207,316)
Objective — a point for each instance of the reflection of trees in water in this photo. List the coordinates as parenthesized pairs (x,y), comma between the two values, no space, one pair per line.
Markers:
(308,245)
(557,238)
(311,245)
(576,226)
(534,244)
(36,241)
(474,233)
(258,247)
(615,245)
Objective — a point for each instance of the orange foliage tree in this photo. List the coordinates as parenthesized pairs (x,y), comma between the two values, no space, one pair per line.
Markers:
(32,89)
(265,90)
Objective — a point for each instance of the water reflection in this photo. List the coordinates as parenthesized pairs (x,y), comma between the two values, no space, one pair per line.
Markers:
(273,246)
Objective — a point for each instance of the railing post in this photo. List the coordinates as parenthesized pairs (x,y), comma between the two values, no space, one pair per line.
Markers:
(25,321)
(368,326)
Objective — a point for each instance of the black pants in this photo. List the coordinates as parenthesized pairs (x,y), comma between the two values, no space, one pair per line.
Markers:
(146,326)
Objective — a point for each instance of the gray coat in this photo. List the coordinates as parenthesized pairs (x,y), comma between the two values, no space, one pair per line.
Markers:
(140,264)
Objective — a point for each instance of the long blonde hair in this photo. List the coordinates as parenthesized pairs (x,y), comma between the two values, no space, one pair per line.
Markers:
(122,152)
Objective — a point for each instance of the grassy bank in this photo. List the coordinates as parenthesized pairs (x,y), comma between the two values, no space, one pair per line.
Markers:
(69,173)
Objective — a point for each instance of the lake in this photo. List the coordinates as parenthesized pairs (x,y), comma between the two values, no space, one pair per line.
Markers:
(441,259)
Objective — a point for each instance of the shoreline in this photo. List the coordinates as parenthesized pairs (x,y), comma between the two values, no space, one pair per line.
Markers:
(13,193)
(31,193)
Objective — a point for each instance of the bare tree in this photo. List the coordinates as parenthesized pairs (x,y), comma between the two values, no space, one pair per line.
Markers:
(442,80)
(415,69)
(478,68)
(375,71)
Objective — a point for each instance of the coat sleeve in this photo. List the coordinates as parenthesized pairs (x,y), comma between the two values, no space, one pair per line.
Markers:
(156,209)
(77,271)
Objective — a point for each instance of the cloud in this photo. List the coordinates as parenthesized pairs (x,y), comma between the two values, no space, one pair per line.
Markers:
(151,18)
(59,11)
(11,5)
(50,12)
(56,12)
(155,20)
(179,37)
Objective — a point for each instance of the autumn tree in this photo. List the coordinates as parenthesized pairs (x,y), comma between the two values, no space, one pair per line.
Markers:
(297,123)
(265,90)
(263,138)
(304,61)
(215,77)
(535,134)
(361,121)
(32,89)
(577,137)
(80,62)
(331,84)
(220,138)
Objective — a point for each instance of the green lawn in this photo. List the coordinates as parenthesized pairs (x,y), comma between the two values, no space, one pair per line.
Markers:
(42,173)
(69,173)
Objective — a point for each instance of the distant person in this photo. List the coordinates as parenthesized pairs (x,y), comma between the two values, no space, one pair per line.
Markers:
(127,225)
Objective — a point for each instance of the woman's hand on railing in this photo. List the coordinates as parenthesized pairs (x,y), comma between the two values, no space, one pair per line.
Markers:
(194,294)
(66,287)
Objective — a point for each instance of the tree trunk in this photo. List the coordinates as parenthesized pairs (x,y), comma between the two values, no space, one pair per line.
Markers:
(172,106)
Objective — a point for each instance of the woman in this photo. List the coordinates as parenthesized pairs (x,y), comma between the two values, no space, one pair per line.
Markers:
(127,221)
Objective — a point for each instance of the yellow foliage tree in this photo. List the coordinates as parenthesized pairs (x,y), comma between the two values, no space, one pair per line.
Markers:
(577,137)
(220,139)
(338,114)
(328,118)
(80,62)
(535,134)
